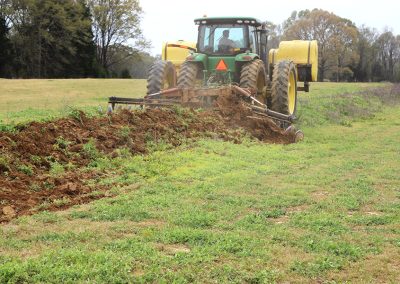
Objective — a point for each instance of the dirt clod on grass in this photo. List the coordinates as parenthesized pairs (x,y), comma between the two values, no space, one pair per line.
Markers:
(46,166)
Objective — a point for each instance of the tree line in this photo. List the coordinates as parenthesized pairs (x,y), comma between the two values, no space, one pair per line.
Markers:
(70,38)
(102,38)
(346,52)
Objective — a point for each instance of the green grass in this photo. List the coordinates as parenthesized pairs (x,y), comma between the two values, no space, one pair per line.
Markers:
(318,89)
(324,210)
(342,103)
(27,100)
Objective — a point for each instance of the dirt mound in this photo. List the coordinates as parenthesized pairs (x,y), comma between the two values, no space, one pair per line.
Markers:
(237,114)
(44,166)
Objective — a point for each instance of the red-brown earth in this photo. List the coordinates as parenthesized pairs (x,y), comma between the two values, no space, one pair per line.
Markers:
(44,165)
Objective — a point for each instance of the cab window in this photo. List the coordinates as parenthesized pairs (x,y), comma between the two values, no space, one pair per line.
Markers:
(222,39)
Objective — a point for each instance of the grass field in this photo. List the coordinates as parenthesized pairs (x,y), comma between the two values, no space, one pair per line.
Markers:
(326,210)
(26,100)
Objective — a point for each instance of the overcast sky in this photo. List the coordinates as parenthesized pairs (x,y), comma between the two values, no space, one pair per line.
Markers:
(173,19)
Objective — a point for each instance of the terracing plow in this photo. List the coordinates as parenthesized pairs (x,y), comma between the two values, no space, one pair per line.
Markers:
(209,98)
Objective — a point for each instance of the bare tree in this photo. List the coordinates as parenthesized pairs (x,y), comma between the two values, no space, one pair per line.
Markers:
(367,53)
(116,23)
(388,53)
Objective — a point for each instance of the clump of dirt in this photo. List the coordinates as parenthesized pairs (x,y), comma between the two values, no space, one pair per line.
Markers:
(236,113)
(45,166)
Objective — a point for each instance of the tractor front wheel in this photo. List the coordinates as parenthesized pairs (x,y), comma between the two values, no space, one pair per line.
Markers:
(252,76)
(162,76)
(284,88)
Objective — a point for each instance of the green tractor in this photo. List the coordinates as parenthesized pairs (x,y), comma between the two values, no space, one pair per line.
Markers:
(233,50)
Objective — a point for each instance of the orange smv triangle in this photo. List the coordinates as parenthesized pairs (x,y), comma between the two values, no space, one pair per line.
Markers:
(221,66)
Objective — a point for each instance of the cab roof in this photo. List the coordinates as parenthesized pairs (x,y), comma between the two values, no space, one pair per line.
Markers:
(228,20)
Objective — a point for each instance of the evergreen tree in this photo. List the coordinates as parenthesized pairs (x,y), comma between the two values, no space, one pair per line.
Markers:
(84,64)
(54,39)
(5,48)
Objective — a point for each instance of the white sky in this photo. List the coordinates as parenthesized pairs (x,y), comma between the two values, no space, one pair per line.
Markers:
(169,20)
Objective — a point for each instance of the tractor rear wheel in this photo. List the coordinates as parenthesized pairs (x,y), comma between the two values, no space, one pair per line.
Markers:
(253,76)
(284,88)
(162,76)
(188,74)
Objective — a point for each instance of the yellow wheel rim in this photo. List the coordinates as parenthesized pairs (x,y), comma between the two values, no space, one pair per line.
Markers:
(291,93)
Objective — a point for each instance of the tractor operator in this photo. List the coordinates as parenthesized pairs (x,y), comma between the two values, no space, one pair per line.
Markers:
(225,43)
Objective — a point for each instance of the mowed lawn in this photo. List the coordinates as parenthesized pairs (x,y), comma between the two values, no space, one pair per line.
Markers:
(326,210)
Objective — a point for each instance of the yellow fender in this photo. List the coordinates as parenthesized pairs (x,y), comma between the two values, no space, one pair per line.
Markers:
(177,51)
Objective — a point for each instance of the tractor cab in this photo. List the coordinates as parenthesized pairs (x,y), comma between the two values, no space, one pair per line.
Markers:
(229,42)
(229,50)
(229,36)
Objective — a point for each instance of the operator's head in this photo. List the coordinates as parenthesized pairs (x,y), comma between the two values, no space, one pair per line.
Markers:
(225,33)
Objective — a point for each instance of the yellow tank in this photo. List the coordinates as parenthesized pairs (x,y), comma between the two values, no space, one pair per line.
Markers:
(301,52)
(177,51)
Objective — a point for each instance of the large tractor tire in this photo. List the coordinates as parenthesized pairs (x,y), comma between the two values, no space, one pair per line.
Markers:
(284,88)
(253,76)
(162,76)
(188,75)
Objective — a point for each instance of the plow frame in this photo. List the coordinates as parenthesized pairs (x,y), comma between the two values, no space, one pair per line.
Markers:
(202,98)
